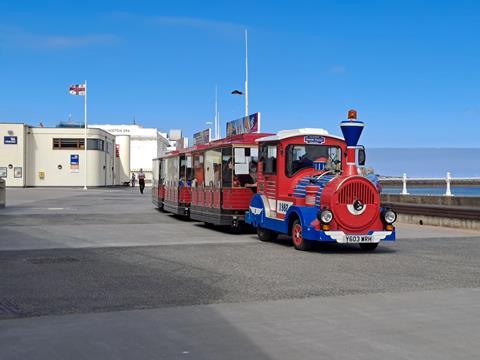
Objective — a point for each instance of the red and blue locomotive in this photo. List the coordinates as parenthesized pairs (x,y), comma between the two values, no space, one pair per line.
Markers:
(310,187)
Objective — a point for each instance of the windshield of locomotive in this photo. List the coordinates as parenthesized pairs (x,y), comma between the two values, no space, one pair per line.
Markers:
(319,157)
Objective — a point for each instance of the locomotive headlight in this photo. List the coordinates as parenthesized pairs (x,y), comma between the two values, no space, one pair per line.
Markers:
(326,216)
(389,216)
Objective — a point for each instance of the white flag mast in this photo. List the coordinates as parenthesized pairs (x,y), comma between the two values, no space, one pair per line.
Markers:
(246,73)
(217,116)
(85,143)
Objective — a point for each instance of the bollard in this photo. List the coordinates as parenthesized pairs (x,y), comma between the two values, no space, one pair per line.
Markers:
(448,192)
(3,199)
(404,190)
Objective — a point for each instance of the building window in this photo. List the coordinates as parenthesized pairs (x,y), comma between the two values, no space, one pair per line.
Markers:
(95,144)
(70,144)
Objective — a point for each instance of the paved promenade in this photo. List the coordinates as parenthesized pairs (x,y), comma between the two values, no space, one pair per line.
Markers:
(102,274)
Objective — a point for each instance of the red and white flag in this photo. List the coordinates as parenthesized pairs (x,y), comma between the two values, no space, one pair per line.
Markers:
(78,89)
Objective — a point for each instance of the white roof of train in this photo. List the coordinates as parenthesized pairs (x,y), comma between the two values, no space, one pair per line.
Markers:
(284,134)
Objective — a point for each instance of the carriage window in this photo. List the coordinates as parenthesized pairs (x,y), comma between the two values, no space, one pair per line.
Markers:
(198,171)
(189,169)
(155,172)
(213,164)
(268,157)
(304,156)
(163,166)
(227,167)
(172,171)
(244,166)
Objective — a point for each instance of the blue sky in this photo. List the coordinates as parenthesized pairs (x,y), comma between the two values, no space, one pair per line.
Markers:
(410,68)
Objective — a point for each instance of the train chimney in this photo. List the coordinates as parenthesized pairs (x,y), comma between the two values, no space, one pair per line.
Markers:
(351,129)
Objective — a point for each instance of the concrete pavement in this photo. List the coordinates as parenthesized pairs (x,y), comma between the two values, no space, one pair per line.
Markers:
(101,274)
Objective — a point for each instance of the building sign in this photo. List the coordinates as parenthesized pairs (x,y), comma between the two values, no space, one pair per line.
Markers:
(245,125)
(74,163)
(10,140)
(201,137)
(117,150)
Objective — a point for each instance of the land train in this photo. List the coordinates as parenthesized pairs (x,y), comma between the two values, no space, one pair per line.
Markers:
(304,183)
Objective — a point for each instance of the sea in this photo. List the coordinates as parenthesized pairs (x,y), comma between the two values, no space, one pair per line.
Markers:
(434,190)
(427,163)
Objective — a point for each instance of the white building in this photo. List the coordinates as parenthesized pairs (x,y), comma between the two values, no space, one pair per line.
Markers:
(145,145)
(36,156)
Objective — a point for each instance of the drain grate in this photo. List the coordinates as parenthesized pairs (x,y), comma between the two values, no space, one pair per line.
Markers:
(52,260)
(9,308)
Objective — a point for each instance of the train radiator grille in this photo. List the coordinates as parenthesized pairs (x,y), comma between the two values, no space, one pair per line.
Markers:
(356,190)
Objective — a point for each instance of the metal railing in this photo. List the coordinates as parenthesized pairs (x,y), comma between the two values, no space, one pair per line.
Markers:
(448,179)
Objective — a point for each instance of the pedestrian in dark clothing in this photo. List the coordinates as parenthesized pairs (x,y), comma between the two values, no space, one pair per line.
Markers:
(141,180)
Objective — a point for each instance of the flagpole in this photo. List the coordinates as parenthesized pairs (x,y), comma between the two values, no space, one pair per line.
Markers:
(85,141)
(246,73)
(217,136)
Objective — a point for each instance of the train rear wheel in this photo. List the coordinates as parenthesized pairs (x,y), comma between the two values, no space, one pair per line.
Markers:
(298,241)
(266,235)
(368,246)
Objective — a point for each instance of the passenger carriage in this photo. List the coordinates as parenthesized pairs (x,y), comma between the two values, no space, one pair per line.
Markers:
(172,177)
(224,179)
(310,186)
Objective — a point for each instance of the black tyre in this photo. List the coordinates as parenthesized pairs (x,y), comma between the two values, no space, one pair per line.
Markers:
(266,235)
(368,246)
(298,241)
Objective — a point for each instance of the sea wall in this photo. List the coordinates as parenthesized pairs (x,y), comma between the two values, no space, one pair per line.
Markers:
(451,211)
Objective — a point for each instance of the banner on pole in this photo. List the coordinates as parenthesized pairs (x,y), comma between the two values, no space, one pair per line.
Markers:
(201,137)
(245,125)
(78,89)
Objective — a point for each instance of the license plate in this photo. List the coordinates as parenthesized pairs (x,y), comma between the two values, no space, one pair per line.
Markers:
(359,238)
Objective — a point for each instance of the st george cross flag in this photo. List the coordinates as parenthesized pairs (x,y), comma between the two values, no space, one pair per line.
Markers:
(78,89)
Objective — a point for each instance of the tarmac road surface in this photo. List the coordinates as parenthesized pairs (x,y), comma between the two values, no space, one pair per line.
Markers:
(102,274)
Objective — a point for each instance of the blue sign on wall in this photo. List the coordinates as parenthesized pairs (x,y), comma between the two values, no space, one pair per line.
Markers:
(10,140)
(74,159)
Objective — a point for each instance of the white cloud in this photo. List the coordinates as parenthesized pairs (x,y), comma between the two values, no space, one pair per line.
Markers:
(22,39)
(181,21)
(199,23)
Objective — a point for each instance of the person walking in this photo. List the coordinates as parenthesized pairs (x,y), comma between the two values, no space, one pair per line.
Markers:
(132,180)
(141,180)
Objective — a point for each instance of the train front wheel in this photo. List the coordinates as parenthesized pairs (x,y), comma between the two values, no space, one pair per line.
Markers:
(266,235)
(298,241)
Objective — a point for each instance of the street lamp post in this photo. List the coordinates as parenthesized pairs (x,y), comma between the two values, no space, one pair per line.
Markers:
(245,91)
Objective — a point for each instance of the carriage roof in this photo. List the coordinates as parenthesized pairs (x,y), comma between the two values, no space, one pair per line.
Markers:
(285,134)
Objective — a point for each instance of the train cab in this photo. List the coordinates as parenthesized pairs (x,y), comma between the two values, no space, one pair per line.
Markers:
(310,186)
(224,179)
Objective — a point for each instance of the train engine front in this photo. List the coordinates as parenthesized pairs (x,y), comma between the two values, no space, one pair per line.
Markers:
(349,209)
(313,187)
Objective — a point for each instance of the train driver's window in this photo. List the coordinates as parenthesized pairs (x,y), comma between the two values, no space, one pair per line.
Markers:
(198,173)
(268,158)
